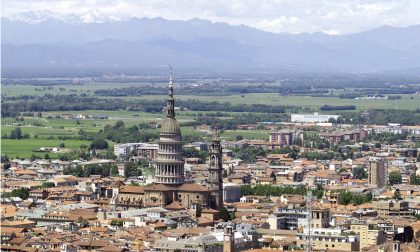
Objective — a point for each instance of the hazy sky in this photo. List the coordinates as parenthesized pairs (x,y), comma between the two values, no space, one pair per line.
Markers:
(294,16)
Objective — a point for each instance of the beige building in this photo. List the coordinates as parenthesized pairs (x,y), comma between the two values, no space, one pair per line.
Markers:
(378,172)
(130,196)
(320,217)
(368,235)
(329,239)
(389,208)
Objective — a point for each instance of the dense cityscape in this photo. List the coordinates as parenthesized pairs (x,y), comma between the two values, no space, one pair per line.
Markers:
(202,126)
(313,182)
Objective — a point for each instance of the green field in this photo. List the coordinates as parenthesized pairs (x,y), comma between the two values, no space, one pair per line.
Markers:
(23,148)
(246,134)
(307,101)
(41,130)
(250,98)
(65,89)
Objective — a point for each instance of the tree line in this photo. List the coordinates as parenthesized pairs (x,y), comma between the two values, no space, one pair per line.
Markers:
(50,102)
(272,190)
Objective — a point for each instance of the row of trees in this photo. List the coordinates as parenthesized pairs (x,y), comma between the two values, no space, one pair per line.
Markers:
(313,155)
(50,102)
(23,192)
(249,154)
(272,190)
(346,197)
(343,107)
(134,169)
(16,133)
(95,169)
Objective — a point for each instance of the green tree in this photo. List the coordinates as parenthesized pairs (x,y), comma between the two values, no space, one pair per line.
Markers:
(22,193)
(397,195)
(359,173)
(414,180)
(119,124)
(114,171)
(99,144)
(239,137)
(224,214)
(344,197)
(47,185)
(247,190)
(131,169)
(34,157)
(16,133)
(395,178)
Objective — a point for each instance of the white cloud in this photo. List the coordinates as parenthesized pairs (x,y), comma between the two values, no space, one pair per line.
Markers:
(295,16)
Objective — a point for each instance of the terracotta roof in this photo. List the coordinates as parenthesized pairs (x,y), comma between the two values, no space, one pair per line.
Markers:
(204,220)
(93,243)
(158,187)
(10,230)
(25,172)
(175,205)
(110,248)
(132,189)
(209,210)
(192,188)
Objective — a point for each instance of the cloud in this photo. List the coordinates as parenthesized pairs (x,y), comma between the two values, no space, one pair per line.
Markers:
(294,16)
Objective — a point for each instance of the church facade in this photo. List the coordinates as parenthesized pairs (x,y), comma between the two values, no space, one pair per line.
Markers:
(169,187)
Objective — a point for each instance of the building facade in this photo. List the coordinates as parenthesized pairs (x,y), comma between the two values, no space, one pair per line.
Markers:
(215,179)
(377,172)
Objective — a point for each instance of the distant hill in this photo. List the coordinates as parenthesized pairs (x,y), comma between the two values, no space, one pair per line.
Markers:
(200,44)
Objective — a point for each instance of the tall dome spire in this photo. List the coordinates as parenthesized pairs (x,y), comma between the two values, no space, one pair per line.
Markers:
(170,166)
(170,104)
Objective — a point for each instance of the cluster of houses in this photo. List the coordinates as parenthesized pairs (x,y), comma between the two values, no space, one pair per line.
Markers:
(107,213)
(368,201)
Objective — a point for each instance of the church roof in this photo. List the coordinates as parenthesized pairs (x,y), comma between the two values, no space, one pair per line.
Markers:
(192,188)
(158,187)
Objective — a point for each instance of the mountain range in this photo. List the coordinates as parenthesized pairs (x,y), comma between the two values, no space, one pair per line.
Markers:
(199,45)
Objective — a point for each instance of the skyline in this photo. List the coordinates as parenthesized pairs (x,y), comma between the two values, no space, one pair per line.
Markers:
(282,16)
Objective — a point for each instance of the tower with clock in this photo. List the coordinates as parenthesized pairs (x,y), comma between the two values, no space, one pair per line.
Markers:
(229,238)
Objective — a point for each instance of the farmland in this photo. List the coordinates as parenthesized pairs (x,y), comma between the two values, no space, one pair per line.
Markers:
(407,101)
(25,148)
(50,128)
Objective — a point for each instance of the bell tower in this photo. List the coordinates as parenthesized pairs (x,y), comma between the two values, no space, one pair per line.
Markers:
(215,179)
(229,238)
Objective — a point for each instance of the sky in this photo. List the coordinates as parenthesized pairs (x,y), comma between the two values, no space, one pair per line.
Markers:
(290,16)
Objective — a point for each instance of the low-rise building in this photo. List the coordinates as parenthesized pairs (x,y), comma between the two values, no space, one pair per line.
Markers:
(329,239)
